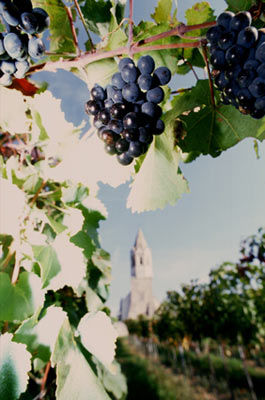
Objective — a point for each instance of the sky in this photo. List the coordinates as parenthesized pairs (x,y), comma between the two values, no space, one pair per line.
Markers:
(226,202)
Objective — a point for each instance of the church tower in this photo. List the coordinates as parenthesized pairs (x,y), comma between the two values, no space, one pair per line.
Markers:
(140,300)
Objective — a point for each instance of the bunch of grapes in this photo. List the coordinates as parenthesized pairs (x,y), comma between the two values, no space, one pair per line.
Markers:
(21,41)
(126,113)
(237,52)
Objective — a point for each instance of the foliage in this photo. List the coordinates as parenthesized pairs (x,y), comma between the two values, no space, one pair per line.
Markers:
(54,275)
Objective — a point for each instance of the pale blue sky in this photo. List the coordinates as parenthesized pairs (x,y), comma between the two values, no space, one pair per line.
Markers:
(226,202)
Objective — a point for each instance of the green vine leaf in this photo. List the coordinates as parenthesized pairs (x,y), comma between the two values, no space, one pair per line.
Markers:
(14,367)
(97,15)
(198,14)
(160,169)
(48,262)
(74,383)
(22,300)
(240,5)
(113,382)
(162,11)
(38,335)
(211,131)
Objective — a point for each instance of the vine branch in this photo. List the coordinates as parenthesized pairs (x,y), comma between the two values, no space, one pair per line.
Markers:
(70,17)
(204,52)
(130,39)
(44,380)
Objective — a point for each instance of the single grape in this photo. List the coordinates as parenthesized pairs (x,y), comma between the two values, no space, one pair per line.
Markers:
(5,80)
(115,125)
(125,61)
(232,73)
(109,137)
(247,37)
(93,107)
(124,158)
(22,6)
(130,92)
(257,87)
(118,110)
(145,81)
(146,64)
(214,34)
(245,78)
(149,109)
(14,45)
(260,103)
(155,95)
(104,116)
(129,73)
(29,22)
(100,131)
(108,103)
(42,18)
(261,71)
(135,149)
(163,75)
(244,97)
(217,59)
(224,19)
(251,65)
(130,134)
(257,114)
(130,120)
(159,127)
(235,54)
(240,21)
(117,80)
(10,14)
(98,93)
(36,48)
(221,80)
(117,95)
(260,53)
(110,149)
(227,40)
(145,136)
(122,145)
(21,69)
(8,67)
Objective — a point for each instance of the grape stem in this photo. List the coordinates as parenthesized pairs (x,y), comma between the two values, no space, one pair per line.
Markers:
(204,52)
(130,38)
(84,25)
(70,17)
(44,380)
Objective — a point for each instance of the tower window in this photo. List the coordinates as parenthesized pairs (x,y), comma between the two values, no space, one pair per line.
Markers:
(141,260)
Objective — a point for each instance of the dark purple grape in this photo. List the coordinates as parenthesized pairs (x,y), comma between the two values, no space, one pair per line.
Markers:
(36,47)
(244,97)
(159,127)
(131,135)
(162,75)
(261,71)
(21,68)
(118,110)
(155,95)
(117,80)
(235,54)
(42,17)
(260,53)
(92,107)
(130,120)
(115,125)
(110,149)
(221,80)
(135,149)
(145,81)
(11,14)
(217,59)
(214,34)
(260,103)
(232,73)
(224,19)
(251,65)
(130,92)
(108,103)
(240,21)
(29,22)
(8,67)
(247,37)
(14,44)
(125,61)
(100,131)
(227,40)
(116,95)
(245,78)
(98,93)
(257,114)
(257,87)
(146,64)
(104,116)
(122,145)
(129,73)
(109,137)
(124,158)
(145,136)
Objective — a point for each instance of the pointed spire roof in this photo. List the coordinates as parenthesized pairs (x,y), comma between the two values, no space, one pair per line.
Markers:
(140,240)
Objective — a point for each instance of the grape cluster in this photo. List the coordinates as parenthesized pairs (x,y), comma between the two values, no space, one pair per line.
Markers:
(237,54)
(21,41)
(126,113)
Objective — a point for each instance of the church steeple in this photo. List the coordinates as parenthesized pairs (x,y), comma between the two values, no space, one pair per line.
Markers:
(141,258)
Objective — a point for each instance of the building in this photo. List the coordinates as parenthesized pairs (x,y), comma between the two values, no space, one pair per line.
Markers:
(140,300)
